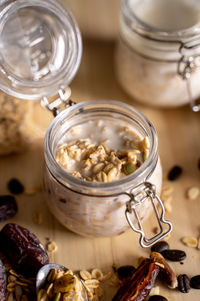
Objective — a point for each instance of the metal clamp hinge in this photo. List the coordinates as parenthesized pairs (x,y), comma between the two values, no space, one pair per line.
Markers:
(142,193)
(55,106)
(187,65)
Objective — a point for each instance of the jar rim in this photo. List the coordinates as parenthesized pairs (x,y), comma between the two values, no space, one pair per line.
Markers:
(170,35)
(144,171)
(25,88)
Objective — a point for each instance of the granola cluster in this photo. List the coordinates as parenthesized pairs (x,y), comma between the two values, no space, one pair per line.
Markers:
(86,159)
(62,285)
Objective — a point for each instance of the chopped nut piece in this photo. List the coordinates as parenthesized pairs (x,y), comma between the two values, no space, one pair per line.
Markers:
(190,241)
(193,193)
(51,247)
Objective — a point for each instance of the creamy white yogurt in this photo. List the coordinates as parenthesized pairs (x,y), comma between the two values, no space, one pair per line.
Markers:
(167,15)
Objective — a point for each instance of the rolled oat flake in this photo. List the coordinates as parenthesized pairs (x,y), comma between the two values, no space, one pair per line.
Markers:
(40,53)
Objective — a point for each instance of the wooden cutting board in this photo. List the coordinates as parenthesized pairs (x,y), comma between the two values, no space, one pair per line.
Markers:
(179,143)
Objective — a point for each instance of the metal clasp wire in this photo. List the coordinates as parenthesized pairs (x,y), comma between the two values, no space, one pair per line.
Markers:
(138,195)
(55,105)
(186,66)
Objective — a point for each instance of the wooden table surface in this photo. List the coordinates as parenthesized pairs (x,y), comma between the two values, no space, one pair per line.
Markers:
(178,131)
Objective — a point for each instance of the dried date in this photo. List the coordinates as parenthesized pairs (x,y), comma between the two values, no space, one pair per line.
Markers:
(8,207)
(23,249)
(138,286)
(125,271)
(3,281)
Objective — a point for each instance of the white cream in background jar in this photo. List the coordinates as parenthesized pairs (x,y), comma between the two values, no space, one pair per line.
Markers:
(40,54)
(157,59)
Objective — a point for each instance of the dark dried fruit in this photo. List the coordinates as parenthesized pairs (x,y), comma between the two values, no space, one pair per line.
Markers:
(157,298)
(139,285)
(160,246)
(15,186)
(198,163)
(125,271)
(175,173)
(183,283)
(23,249)
(166,274)
(195,282)
(174,255)
(3,281)
(8,207)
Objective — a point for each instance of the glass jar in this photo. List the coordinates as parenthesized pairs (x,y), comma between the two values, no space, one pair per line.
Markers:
(43,52)
(99,209)
(40,51)
(157,57)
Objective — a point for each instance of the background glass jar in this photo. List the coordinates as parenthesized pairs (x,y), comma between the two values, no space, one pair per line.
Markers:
(40,52)
(91,208)
(158,51)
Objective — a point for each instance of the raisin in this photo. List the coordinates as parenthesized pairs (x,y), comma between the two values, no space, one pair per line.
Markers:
(8,207)
(160,246)
(174,255)
(175,173)
(3,282)
(15,186)
(125,271)
(23,249)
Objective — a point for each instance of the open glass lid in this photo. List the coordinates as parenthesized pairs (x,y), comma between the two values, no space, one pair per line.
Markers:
(40,48)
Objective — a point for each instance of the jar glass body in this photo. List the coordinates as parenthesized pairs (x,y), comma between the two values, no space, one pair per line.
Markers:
(147,58)
(97,209)
(40,53)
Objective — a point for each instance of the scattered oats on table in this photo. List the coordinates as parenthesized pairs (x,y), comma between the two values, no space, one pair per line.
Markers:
(190,241)
(192,193)
(51,246)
